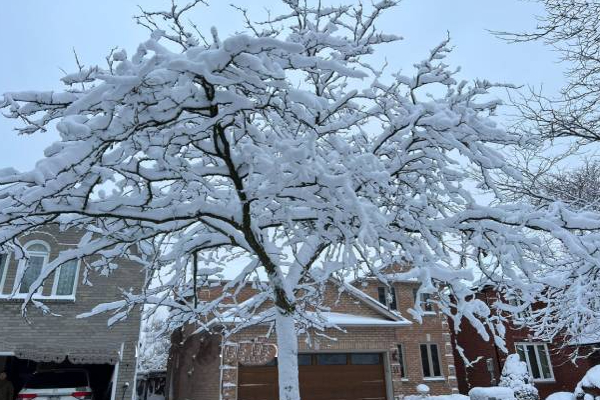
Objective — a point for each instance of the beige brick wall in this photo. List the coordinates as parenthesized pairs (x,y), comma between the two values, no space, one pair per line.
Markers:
(64,330)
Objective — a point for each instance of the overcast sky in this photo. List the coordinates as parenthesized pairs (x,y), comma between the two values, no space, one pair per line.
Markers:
(39,38)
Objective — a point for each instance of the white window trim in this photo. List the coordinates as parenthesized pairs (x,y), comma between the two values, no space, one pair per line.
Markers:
(430,360)
(39,294)
(537,358)
(402,355)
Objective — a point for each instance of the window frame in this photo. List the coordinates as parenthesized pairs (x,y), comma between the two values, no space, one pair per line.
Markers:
(391,291)
(402,361)
(537,359)
(23,263)
(4,272)
(16,294)
(430,361)
(426,305)
(521,316)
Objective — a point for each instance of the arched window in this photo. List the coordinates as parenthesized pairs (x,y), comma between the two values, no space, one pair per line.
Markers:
(38,254)
(65,276)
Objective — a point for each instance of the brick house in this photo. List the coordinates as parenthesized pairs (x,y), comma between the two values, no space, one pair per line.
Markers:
(548,363)
(381,354)
(49,341)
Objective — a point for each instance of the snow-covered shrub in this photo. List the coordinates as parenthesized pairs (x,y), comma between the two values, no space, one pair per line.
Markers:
(516,376)
(423,390)
(589,387)
(490,393)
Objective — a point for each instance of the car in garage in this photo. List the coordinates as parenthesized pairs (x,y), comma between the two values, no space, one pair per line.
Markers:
(58,384)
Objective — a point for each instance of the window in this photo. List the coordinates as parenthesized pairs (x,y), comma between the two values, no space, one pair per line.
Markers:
(38,256)
(401,361)
(538,360)
(63,281)
(387,297)
(304,359)
(425,298)
(65,284)
(430,360)
(365,358)
(332,359)
(521,315)
(3,268)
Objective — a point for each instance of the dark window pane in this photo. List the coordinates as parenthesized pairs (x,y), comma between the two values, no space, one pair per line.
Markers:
(535,369)
(435,360)
(365,358)
(401,361)
(332,359)
(544,360)
(304,359)
(381,295)
(427,306)
(58,379)
(425,361)
(393,305)
(271,363)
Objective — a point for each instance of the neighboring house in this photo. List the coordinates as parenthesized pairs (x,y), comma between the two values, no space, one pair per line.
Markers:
(548,363)
(381,355)
(62,339)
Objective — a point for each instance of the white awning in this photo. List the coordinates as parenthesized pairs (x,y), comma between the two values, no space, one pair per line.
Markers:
(89,355)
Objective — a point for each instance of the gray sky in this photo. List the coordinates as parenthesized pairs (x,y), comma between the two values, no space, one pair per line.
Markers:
(39,37)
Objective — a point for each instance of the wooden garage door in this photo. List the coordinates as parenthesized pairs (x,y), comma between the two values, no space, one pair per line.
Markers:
(331,376)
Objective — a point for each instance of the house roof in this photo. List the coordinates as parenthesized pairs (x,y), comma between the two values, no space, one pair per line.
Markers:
(329,318)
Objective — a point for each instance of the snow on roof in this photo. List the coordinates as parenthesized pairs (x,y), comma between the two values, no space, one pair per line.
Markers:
(585,339)
(331,318)
(371,302)
(342,319)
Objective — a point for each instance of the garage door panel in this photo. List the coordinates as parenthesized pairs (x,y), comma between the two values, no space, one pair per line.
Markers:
(317,382)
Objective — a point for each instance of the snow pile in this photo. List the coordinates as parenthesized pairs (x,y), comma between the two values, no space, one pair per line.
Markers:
(423,389)
(591,380)
(516,376)
(494,392)
(561,396)
(440,397)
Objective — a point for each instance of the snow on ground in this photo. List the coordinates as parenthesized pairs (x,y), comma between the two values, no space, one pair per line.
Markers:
(561,396)
(441,397)
(484,393)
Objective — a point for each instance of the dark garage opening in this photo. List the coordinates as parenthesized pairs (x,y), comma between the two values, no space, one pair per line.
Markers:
(20,370)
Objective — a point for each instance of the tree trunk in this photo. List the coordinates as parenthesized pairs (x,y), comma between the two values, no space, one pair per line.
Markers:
(287,357)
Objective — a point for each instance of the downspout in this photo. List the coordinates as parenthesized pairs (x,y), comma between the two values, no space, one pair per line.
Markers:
(496,376)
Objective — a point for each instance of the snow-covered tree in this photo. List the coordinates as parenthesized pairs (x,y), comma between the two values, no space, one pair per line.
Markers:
(572,29)
(281,149)
(155,344)
(516,376)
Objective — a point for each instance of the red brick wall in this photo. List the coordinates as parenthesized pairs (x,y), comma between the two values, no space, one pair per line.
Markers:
(566,374)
